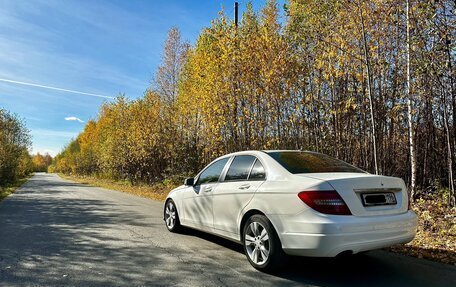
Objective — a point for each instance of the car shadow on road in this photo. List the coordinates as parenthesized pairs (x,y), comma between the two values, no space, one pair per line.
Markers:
(445,255)
(374,268)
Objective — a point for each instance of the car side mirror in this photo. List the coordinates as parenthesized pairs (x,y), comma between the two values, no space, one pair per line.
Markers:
(189,181)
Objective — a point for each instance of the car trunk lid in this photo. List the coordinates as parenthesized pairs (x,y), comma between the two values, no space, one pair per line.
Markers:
(367,194)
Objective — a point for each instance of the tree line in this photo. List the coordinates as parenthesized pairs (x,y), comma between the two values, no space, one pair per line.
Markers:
(369,82)
(41,162)
(16,162)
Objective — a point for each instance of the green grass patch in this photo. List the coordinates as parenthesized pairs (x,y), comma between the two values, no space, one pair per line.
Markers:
(11,188)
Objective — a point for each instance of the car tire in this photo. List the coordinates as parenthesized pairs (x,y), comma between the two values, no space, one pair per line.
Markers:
(262,244)
(171,217)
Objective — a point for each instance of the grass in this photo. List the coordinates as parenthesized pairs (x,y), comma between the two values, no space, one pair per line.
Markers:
(11,188)
(157,191)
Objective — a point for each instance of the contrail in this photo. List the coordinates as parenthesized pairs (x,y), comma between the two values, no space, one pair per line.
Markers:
(55,88)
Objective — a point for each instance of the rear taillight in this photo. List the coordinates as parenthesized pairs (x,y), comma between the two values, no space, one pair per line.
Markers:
(325,201)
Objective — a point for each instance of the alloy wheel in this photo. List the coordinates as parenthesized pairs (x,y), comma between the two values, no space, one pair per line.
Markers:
(256,239)
(170,215)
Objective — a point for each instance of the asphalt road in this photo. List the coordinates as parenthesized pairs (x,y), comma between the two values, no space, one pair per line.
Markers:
(54,232)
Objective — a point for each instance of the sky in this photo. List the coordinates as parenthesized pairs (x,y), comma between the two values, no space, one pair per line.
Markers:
(61,60)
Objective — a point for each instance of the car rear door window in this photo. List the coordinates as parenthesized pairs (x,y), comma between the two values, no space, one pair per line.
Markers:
(257,172)
(212,172)
(240,168)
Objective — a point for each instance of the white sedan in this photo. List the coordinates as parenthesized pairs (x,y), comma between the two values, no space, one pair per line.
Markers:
(292,202)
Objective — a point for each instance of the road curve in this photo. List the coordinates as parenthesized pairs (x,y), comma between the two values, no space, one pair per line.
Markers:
(55,232)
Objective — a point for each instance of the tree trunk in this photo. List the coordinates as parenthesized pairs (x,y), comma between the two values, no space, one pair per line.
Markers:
(409,112)
(369,90)
(451,197)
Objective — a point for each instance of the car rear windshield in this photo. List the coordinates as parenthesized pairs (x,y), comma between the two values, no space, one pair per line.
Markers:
(311,162)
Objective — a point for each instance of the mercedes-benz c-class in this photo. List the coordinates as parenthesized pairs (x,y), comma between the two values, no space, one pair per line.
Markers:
(292,202)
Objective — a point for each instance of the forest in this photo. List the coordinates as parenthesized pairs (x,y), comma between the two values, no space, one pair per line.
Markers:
(369,82)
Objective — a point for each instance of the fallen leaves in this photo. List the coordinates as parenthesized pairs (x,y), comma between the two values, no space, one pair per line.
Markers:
(436,235)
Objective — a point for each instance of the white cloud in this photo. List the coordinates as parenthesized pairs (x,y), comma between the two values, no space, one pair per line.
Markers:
(73,119)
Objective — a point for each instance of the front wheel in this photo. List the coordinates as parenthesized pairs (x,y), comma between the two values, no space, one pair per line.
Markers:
(172,217)
(262,245)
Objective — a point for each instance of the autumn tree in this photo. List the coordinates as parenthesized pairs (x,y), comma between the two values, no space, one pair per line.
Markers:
(15,141)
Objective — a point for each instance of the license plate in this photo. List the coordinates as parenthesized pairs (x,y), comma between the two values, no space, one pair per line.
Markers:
(384,198)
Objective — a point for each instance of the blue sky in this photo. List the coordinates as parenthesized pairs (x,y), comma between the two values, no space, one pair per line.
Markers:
(97,47)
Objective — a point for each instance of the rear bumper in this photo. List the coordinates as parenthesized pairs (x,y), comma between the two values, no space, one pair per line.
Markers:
(327,235)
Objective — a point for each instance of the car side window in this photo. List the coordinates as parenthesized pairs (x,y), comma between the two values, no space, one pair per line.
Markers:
(212,172)
(240,168)
(257,172)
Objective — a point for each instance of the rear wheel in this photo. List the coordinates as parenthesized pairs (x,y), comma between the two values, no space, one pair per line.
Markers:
(262,245)
(171,217)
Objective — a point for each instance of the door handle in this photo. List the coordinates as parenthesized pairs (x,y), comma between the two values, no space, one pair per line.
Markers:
(245,186)
(207,189)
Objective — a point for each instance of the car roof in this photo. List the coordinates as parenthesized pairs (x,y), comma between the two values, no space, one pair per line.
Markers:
(242,152)
(263,151)
(282,150)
